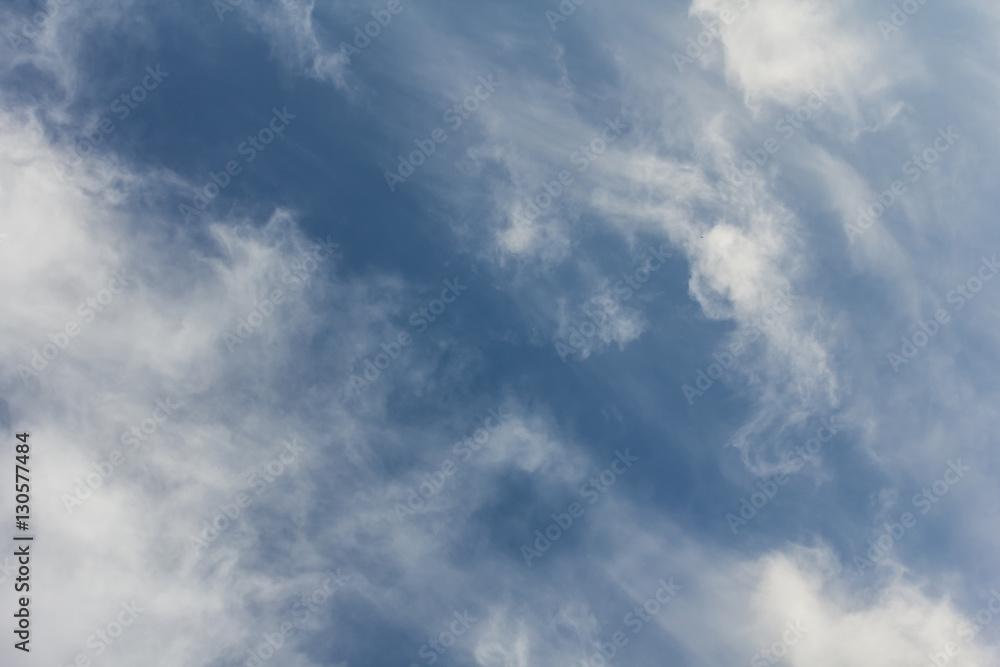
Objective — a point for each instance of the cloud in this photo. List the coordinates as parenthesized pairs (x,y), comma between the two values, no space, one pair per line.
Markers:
(251,325)
(291,29)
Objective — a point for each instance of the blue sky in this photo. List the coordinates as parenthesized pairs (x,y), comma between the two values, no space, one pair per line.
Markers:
(680,348)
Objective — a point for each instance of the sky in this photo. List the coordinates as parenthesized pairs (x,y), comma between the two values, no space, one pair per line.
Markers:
(501,334)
